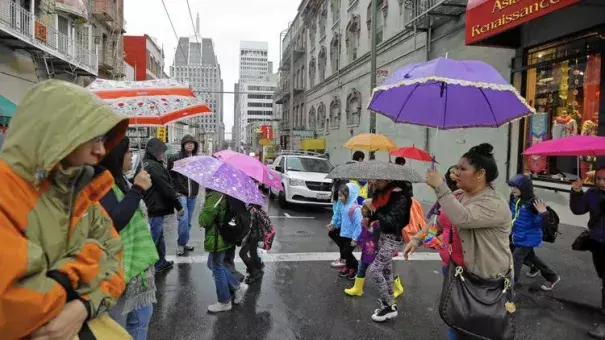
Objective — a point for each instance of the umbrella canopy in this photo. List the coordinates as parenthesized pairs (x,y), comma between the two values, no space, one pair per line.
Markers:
(217,175)
(449,94)
(412,152)
(569,146)
(7,108)
(371,142)
(150,102)
(252,167)
(376,170)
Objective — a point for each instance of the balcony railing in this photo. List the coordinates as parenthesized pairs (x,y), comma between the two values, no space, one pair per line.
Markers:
(104,10)
(26,27)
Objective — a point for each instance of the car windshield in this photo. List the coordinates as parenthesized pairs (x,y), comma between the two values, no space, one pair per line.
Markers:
(309,165)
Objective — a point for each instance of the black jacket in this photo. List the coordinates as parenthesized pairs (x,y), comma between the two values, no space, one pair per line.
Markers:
(182,184)
(395,215)
(161,199)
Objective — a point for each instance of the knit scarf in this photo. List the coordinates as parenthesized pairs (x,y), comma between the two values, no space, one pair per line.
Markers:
(382,198)
(139,257)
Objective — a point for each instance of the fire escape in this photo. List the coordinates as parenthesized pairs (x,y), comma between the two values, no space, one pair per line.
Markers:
(110,14)
(429,14)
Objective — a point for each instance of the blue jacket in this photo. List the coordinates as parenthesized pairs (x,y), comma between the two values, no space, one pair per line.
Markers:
(527,222)
(336,208)
(350,226)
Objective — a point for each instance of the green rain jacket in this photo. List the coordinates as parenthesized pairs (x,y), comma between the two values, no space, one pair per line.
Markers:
(215,207)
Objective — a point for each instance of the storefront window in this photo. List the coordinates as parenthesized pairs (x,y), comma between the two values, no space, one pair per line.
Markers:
(565,95)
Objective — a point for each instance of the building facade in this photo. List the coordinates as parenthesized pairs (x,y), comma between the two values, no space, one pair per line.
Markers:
(143,53)
(325,76)
(256,105)
(196,64)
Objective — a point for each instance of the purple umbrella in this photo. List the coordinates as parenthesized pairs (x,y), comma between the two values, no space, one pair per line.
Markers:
(217,175)
(449,94)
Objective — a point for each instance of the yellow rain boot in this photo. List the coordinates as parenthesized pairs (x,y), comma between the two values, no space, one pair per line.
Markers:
(397,287)
(357,289)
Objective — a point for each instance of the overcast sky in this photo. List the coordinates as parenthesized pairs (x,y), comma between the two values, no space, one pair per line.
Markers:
(227,22)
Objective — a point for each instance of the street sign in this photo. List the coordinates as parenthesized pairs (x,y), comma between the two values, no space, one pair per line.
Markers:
(162,134)
(267,131)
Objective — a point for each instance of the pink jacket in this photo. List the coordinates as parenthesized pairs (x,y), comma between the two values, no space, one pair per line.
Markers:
(457,254)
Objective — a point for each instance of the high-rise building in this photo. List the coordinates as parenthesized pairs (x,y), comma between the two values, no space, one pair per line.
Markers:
(196,64)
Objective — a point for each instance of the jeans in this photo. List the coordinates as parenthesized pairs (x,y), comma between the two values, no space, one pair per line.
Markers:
(249,254)
(157,234)
(223,279)
(361,269)
(527,255)
(136,322)
(184,221)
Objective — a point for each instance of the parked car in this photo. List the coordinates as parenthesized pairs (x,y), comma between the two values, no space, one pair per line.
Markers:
(303,175)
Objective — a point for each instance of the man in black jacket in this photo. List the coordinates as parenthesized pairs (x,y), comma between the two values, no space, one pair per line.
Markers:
(161,199)
(187,190)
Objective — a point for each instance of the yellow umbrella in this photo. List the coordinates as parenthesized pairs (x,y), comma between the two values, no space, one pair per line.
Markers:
(371,142)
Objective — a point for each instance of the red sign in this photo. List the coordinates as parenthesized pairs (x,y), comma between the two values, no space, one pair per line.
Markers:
(267,131)
(486,18)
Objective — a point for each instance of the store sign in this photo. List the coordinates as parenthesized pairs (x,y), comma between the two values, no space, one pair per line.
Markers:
(137,132)
(304,134)
(162,134)
(267,131)
(486,18)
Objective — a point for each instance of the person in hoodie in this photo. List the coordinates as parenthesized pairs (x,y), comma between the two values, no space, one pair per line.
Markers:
(60,257)
(393,202)
(187,190)
(593,202)
(334,226)
(350,228)
(161,199)
(528,214)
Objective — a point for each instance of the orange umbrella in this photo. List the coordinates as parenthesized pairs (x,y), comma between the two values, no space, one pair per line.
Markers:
(151,102)
(371,142)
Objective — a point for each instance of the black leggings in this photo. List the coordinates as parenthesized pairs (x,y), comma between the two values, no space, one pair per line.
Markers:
(334,235)
(249,254)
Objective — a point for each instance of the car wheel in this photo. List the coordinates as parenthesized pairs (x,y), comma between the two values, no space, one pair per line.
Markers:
(282,200)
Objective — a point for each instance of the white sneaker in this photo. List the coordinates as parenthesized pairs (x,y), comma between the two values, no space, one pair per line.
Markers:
(548,286)
(240,293)
(219,307)
(338,263)
(387,313)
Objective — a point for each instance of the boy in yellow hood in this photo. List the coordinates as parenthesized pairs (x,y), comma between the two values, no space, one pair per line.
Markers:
(60,257)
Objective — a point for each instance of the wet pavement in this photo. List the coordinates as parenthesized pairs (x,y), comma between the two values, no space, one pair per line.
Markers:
(301,297)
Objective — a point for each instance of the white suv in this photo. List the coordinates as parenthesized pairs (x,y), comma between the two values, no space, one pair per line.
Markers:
(304,179)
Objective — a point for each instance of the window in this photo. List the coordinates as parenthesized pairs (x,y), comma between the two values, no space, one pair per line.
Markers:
(352,37)
(335,52)
(322,62)
(312,72)
(335,9)
(319,165)
(380,19)
(353,109)
(312,119)
(335,113)
(321,118)
(565,93)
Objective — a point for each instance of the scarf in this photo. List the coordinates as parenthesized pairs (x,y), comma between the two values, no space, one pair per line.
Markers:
(140,255)
(382,198)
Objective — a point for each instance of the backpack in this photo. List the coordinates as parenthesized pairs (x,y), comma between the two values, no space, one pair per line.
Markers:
(265,228)
(234,227)
(352,209)
(550,226)
(417,221)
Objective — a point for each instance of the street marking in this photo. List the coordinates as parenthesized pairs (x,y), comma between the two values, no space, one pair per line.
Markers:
(302,257)
(286,215)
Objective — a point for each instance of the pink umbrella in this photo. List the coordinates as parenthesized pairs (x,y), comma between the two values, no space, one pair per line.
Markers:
(569,146)
(251,167)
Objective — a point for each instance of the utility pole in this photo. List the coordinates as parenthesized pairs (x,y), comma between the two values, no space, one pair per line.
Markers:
(373,65)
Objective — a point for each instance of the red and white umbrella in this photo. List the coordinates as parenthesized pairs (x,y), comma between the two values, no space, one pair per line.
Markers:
(150,102)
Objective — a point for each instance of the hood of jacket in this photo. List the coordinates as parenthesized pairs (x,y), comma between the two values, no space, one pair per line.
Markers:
(114,162)
(187,139)
(54,118)
(155,148)
(353,195)
(524,184)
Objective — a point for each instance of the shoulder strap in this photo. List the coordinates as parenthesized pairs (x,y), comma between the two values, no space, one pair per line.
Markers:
(352,209)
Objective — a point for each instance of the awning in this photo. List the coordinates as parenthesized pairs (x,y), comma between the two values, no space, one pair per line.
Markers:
(487,18)
(313,144)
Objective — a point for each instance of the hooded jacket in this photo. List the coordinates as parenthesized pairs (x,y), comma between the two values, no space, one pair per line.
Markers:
(161,199)
(395,214)
(350,221)
(182,184)
(213,211)
(592,202)
(57,242)
(527,222)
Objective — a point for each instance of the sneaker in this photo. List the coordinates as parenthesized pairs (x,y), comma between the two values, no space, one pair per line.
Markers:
(189,248)
(352,274)
(240,293)
(253,278)
(344,272)
(338,263)
(180,251)
(533,272)
(548,286)
(384,314)
(166,266)
(219,307)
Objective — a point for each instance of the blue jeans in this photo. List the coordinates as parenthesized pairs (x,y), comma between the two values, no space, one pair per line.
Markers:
(136,322)
(157,234)
(223,279)
(361,269)
(184,220)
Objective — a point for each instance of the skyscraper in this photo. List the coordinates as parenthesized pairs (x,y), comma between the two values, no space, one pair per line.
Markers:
(196,63)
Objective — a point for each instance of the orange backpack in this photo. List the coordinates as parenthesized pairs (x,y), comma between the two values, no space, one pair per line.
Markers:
(417,222)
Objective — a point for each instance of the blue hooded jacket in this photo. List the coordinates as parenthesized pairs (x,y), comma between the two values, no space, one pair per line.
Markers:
(527,222)
(350,226)
(336,209)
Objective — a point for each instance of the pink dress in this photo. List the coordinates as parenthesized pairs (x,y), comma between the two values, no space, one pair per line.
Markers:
(446,225)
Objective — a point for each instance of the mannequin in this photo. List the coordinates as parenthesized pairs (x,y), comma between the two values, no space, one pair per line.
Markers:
(589,128)
(564,124)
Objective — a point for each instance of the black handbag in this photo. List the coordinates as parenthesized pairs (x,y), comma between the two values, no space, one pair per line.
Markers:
(477,307)
(582,242)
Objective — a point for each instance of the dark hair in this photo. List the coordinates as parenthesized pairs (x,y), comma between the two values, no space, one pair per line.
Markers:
(344,189)
(400,161)
(114,163)
(450,183)
(359,156)
(482,157)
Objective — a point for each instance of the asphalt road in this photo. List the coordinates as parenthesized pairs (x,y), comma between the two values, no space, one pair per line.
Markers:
(301,297)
